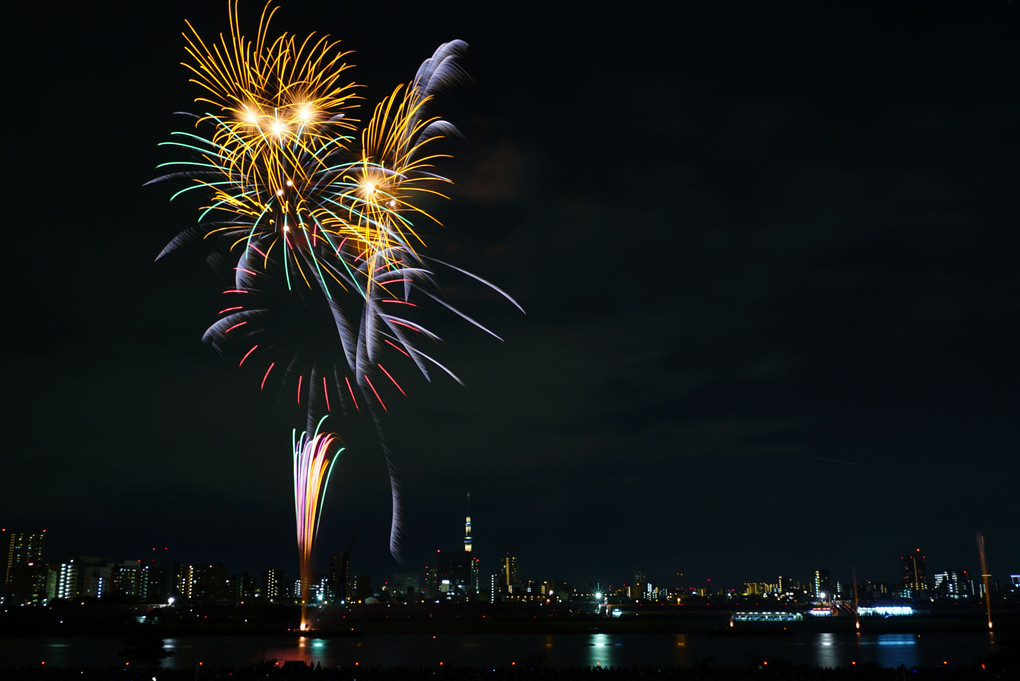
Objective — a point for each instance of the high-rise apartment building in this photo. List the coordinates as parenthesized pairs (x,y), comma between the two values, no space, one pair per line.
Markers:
(821,587)
(953,584)
(68,580)
(125,579)
(94,577)
(184,581)
(19,550)
(271,587)
(510,577)
(913,573)
(209,581)
(156,583)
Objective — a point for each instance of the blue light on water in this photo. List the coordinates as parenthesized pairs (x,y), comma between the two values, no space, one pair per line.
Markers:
(591,649)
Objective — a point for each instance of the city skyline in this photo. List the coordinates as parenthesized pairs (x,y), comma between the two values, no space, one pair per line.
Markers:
(767,261)
(911,572)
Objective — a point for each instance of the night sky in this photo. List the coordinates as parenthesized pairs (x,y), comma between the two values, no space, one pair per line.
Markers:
(768,262)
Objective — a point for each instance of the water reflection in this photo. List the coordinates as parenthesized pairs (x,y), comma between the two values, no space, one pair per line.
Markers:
(681,656)
(309,649)
(602,650)
(887,650)
(896,649)
(547,656)
(826,652)
(55,652)
(485,651)
(169,646)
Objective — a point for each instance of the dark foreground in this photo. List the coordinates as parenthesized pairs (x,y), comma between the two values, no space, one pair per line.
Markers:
(776,671)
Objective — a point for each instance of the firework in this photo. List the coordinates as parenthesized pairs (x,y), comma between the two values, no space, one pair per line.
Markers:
(314,456)
(317,215)
(279,163)
(297,196)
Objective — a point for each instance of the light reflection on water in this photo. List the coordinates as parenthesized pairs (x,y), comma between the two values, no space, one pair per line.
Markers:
(681,657)
(502,650)
(826,654)
(896,649)
(887,650)
(311,650)
(602,650)
(56,652)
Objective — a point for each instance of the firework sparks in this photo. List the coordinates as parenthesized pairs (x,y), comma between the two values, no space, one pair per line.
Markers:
(295,192)
(319,216)
(279,163)
(314,456)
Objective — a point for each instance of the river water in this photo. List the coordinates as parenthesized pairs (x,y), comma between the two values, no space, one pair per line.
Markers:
(503,650)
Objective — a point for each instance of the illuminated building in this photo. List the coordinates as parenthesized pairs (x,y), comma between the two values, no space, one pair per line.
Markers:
(19,550)
(758,588)
(431,585)
(317,588)
(51,581)
(510,578)
(821,589)
(68,579)
(474,586)
(555,590)
(125,579)
(953,584)
(456,575)
(272,584)
(156,582)
(210,581)
(94,577)
(184,580)
(206,581)
(913,573)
